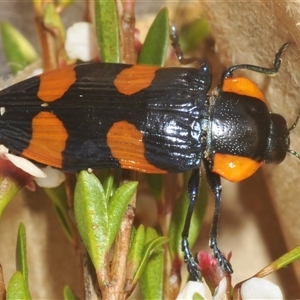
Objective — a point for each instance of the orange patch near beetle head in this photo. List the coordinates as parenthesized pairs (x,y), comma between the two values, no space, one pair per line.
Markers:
(132,80)
(234,168)
(243,86)
(54,84)
(126,144)
(48,140)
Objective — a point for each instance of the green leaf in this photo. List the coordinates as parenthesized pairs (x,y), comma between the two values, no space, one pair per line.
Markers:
(8,188)
(12,179)
(157,40)
(91,216)
(19,52)
(21,259)
(117,207)
(107,179)
(147,252)
(179,214)
(152,266)
(281,262)
(135,252)
(68,294)
(17,288)
(59,199)
(107,28)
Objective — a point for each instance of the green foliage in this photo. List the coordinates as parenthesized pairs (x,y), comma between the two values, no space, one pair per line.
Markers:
(19,52)
(107,27)
(17,288)
(157,40)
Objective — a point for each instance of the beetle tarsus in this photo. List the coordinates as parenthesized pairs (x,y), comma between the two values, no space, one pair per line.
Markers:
(177,48)
(222,261)
(189,260)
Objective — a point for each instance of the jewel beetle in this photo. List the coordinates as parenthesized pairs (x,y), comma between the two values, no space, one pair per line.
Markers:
(149,119)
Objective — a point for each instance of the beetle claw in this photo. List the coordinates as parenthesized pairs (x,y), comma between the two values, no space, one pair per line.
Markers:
(222,260)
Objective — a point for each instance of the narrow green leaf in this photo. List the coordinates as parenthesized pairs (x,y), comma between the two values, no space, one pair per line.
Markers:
(287,258)
(157,40)
(179,214)
(8,188)
(147,252)
(135,251)
(68,294)
(117,207)
(59,199)
(17,288)
(151,279)
(108,184)
(12,179)
(19,52)
(107,28)
(21,257)
(281,262)
(91,216)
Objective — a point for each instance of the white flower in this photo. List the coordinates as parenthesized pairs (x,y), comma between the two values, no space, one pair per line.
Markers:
(190,289)
(260,288)
(81,42)
(221,289)
(54,178)
(22,163)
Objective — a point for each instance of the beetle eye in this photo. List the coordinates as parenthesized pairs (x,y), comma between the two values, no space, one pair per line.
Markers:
(278,140)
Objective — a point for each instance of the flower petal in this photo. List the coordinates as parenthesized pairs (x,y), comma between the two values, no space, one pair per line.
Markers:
(54,178)
(190,289)
(25,165)
(260,288)
(220,289)
(81,42)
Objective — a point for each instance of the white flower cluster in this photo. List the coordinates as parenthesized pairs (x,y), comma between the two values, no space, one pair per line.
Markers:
(81,42)
(254,288)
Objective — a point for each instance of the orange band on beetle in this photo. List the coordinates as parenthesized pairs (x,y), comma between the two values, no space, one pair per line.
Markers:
(126,144)
(234,168)
(54,84)
(134,79)
(243,86)
(48,140)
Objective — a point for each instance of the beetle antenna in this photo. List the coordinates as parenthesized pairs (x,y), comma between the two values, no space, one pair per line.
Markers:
(297,155)
(295,122)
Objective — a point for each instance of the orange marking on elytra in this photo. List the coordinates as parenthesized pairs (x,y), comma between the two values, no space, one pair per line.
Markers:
(48,140)
(54,84)
(243,86)
(134,79)
(234,168)
(126,144)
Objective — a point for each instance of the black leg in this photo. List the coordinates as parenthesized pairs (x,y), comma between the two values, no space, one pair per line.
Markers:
(175,44)
(193,190)
(215,185)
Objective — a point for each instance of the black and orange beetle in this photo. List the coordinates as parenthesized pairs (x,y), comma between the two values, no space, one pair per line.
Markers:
(148,119)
